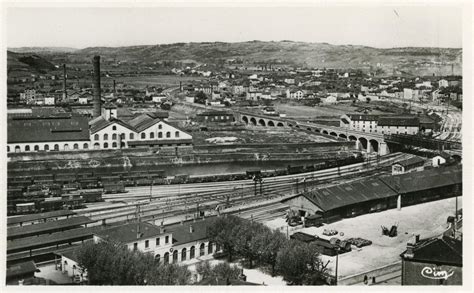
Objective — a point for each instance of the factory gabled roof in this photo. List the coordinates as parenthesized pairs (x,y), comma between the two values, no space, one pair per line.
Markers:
(100,123)
(410,162)
(143,122)
(182,232)
(334,197)
(51,129)
(423,180)
(398,121)
(363,117)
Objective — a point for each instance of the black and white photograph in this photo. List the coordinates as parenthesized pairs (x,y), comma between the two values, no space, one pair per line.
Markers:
(236,144)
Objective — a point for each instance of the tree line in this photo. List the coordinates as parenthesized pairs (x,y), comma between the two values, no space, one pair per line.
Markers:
(297,262)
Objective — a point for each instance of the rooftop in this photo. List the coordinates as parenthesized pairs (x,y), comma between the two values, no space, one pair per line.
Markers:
(398,121)
(40,216)
(410,162)
(182,233)
(442,251)
(51,129)
(128,233)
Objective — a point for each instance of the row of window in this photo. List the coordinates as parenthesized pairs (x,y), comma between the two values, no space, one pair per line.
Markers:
(184,253)
(36,148)
(132,135)
(147,242)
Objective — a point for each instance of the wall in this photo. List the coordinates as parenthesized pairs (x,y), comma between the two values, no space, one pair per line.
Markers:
(41,145)
(302,203)
(397,129)
(412,274)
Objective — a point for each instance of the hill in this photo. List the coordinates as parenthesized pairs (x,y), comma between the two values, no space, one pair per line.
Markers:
(420,61)
(19,64)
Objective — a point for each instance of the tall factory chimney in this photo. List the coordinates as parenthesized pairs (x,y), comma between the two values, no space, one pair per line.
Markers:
(64,83)
(97,94)
(115,94)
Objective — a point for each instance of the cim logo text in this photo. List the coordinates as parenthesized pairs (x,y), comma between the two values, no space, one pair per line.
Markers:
(435,274)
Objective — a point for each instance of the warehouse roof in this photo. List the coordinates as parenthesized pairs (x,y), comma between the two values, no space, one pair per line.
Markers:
(35,217)
(363,117)
(51,129)
(45,240)
(423,180)
(350,193)
(160,141)
(143,122)
(410,162)
(48,227)
(21,269)
(128,233)
(100,123)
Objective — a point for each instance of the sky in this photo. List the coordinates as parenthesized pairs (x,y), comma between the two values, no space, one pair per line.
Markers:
(382,27)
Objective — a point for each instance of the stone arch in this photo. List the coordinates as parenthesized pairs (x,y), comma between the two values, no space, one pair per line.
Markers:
(290,125)
(279,124)
(363,143)
(352,138)
(253,121)
(333,134)
(309,129)
(325,132)
(317,130)
(270,123)
(261,122)
(245,119)
(342,135)
(374,145)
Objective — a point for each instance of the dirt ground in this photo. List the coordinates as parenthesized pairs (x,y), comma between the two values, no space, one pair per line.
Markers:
(427,220)
(261,136)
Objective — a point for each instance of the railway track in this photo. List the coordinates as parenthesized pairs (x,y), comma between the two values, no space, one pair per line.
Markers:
(172,201)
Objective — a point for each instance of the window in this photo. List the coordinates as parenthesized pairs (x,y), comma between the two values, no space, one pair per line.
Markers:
(114,136)
(130,135)
(135,246)
(175,256)
(8,149)
(75,146)
(160,134)
(27,148)
(157,241)
(160,126)
(56,147)
(183,254)
(152,135)
(66,147)
(202,249)
(168,134)
(209,248)
(147,243)
(17,149)
(96,137)
(114,145)
(106,136)
(191,252)
(106,145)
(96,146)
(46,147)
(36,148)
(176,134)
(157,258)
(122,136)
(114,127)
(86,146)
(143,135)
(167,239)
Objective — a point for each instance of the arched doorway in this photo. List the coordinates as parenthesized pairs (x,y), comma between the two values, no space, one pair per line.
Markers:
(209,248)
(202,250)
(157,258)
(183,254)
(166,258)
(175,256)
(192,252)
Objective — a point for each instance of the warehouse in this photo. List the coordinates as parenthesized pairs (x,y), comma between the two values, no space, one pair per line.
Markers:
(372,195)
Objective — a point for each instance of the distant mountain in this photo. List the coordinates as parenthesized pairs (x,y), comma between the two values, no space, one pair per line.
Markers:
(20,64)
(42,49)
(419,61)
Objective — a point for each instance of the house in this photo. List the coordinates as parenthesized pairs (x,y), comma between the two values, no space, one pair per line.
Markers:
(360,122)
(215,95)
(432,261)
(413,164)
(237,89)
(49,100)
(294,94)
(215,117)
(28,96)
(443,83)
(289,80)
(398,125)
(253,95)
(440,159)
(158,98)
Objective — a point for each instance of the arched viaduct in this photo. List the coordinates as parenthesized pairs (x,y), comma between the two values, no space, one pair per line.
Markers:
(369,142)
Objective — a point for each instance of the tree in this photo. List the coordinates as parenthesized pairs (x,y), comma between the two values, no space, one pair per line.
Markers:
(112,263)
(221,271)
(270,243)
(222,232)
(200,98)
(299,264)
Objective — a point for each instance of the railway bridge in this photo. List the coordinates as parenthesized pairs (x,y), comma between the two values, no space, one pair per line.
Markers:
(364,141)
